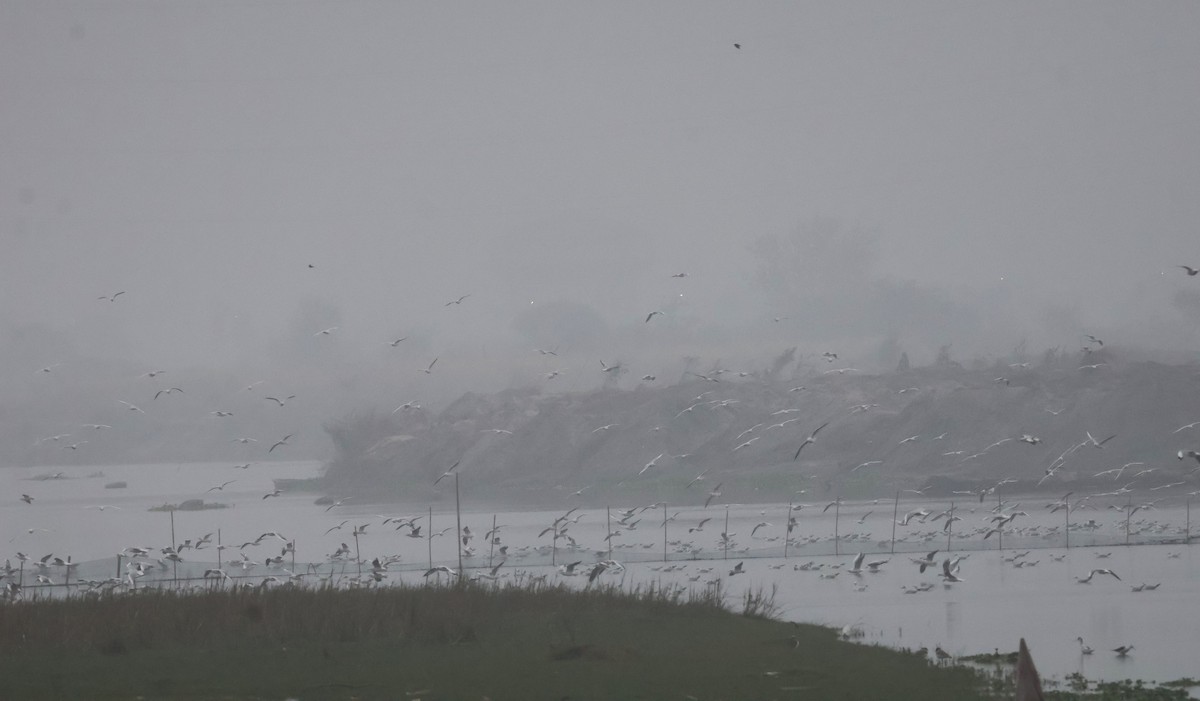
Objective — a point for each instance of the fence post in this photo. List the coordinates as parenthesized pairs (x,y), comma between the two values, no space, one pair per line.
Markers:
(787,531)
(725,535)
(664,505)
(895,513)
(837,508)
(1067,503)
(458,523)
(949,526)
(608,526)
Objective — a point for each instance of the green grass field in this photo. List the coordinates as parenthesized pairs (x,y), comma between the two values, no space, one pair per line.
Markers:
(471,642)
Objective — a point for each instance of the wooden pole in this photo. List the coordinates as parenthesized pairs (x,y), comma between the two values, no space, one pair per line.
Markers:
(554,544)
(1128,515)
(1067,502)
(429,537)
(787,531)
(725,535)
(837,509)
(895,513)
(608,521)
(492,542)
(357,553)
(1187,529)
(1000,528)
(949,526)
(664,531)
(458,524)
(219,551)
(174,563)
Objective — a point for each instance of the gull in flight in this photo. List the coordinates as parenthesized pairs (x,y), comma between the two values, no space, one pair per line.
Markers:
(746,444)
(1096,443)
(856,568)
(812,438)
(680,275)
(281,441)
(652,463)
(497,431)
(326,332)
(283,401)
(1188,454)
(429,370)
(167,391)
(1093,573)
(221,414)
(447,473)
(26,498)
(397,342)
(1190,271)
(456,301)
(867,463)
(950,571)
(112,297)
(651,316)
(716,492)
(131,407)
(275,493)
(338,502)
(604,428)
(243,440)
(406,406)
(1187,426)
(928,561)
(220,487)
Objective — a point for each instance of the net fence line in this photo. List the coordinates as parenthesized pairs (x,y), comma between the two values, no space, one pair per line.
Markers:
(145,572)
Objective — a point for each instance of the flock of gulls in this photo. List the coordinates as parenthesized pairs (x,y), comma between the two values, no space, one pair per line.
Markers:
(966,524)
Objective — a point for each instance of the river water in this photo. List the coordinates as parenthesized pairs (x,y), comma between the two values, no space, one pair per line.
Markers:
(1007,593)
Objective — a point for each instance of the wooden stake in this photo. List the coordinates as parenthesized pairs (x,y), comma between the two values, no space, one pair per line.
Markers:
(895,513)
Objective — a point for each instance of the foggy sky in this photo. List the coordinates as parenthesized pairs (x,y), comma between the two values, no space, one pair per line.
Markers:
(1021,170)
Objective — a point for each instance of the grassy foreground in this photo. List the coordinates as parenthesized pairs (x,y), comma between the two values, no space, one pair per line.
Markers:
(469,642)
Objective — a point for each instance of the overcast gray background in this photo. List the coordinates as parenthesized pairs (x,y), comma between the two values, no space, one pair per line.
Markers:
(966,173)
